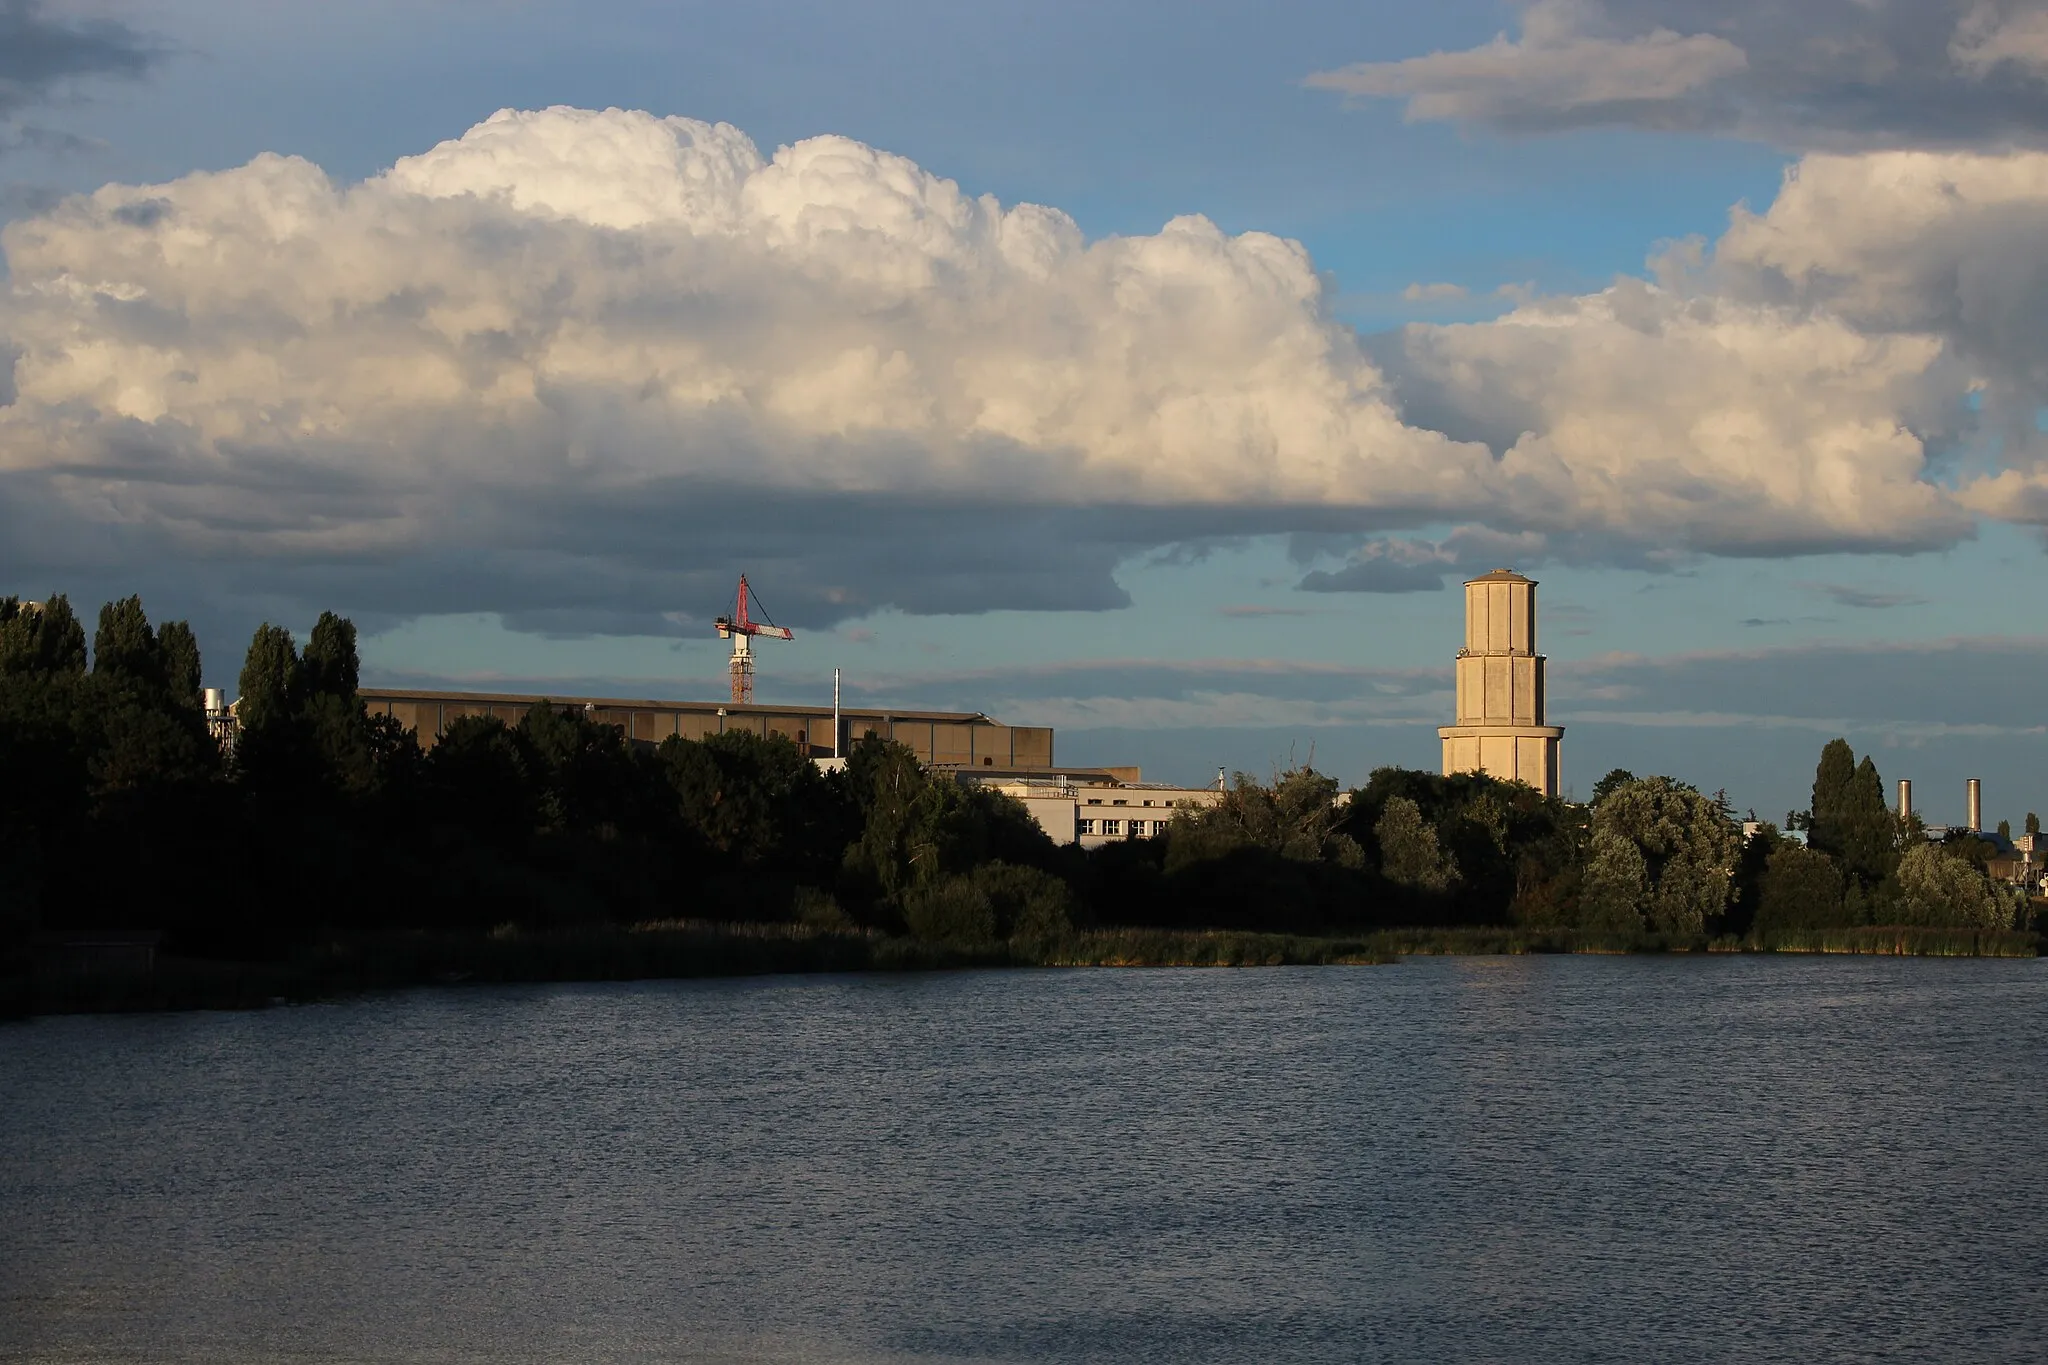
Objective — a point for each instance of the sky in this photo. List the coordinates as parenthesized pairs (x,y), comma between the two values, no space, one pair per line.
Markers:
(1151,371)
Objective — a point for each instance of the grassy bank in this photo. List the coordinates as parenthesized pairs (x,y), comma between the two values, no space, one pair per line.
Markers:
(672,950)
(1911,942)
(1892,941)
(684,949)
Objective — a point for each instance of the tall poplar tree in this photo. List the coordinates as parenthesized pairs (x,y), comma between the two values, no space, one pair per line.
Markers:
(271,683)
(124,648)
(1866,831)
(1831,782)
(178,648)
(330,667)
(46,640)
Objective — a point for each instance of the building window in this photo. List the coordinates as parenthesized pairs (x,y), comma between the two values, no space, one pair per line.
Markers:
(988,761)
(1085,827)
(1112,827)
(1159,826)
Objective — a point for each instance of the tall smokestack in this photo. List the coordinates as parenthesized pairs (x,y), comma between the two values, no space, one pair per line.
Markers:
(1976,806)
(1905,798)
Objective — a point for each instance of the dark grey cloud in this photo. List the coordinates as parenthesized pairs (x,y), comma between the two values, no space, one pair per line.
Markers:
(658,558)
(1376,575)
(41,51)
(1392,564)
(1817,73)
(1870,599)
(1908,693)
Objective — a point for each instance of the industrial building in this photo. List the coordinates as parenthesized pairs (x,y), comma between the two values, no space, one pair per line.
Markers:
(1500,729)
(1086,806)
(955,739)
(2021,860)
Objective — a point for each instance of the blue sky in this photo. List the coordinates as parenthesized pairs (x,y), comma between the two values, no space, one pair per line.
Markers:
(1482,172)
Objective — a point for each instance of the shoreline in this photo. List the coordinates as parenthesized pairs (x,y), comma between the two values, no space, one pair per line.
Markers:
(680,950)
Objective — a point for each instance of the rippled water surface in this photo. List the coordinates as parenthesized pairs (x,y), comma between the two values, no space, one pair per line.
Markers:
(1586,1159)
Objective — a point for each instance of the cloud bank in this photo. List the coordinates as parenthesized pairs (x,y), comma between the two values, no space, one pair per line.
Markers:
(1815,74)
(580,366)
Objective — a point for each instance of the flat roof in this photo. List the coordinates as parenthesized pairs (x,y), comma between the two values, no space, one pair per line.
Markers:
(650,704)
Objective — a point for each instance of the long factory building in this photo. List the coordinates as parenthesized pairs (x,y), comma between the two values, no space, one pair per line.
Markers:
(950,739)
(1087,806)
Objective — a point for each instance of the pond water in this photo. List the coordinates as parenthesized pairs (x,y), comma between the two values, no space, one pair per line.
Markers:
(1476,1159)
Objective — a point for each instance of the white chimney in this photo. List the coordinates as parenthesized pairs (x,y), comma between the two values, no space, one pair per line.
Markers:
(1976,806)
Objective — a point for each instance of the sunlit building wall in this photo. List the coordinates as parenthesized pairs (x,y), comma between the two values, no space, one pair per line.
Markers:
(1500,729)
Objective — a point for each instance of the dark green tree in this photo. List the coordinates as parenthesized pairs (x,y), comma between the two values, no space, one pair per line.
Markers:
(1802,889)
(179,649)
(915,828)
(1606,786)
(272,749)
(1616,893)
(1866,831)
(2033,823)
(1750,871)
(44,640)
(329,665)
(142,735)
(2005,830)
(271,682)
(1939,888)
(1832,778)
(1410,855)
(1687,849)
(125,648)
(1294,817)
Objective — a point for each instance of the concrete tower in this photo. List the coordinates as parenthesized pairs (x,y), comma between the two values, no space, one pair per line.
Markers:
(1500,729)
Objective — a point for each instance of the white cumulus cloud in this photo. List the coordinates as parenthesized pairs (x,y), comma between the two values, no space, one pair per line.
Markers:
(578,357)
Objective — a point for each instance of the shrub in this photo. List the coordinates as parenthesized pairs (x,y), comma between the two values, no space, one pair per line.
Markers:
(950,910)
(1939,889)
(1802,889)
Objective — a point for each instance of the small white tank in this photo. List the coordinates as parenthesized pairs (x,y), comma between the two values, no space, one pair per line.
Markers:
(212,699)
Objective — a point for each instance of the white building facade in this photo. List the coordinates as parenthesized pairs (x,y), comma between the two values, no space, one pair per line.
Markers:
(1092,807)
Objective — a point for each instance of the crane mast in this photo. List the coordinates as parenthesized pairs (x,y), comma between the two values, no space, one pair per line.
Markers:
(741,628)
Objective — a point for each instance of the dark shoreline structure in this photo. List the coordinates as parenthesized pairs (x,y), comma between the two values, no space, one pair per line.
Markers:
(330,851)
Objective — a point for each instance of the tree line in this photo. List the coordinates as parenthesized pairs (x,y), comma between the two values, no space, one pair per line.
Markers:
(118,809)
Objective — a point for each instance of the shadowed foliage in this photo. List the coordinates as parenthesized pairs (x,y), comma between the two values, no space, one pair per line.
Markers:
(118,810)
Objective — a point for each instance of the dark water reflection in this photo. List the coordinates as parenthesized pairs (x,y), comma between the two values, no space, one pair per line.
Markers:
(1474,1160)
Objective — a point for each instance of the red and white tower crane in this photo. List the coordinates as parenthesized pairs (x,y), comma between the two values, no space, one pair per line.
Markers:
(741,629)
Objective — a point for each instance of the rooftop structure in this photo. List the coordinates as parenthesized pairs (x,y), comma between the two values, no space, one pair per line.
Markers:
(959,739)
(1500,729)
